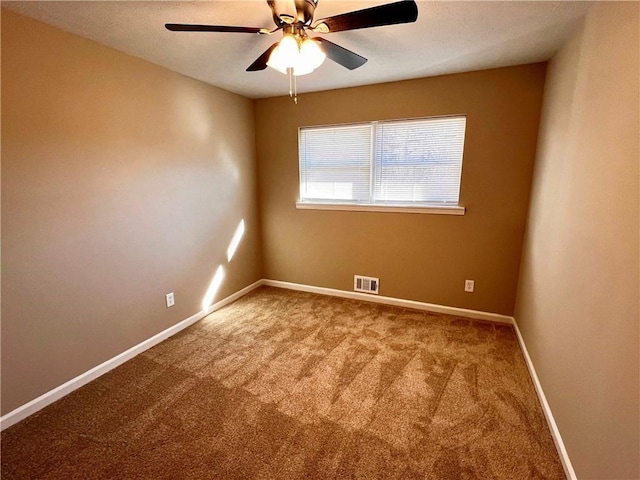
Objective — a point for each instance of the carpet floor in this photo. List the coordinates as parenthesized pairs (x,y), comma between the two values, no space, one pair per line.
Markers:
(291,385)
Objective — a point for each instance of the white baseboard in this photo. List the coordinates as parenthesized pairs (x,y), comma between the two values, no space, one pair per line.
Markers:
(555,433)
(51,396)
(397,302)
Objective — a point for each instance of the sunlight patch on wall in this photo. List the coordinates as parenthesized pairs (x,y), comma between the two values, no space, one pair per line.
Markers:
(213,288)
(235,241)
(220,272)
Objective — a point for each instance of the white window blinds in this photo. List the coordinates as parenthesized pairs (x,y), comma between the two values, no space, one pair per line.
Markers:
(419,161)
(335,163)
(413,162)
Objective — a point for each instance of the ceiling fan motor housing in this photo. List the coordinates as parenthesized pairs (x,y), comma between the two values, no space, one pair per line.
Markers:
(306,10)
(284,15)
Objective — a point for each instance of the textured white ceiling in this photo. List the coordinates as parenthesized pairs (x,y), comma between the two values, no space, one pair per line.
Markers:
(448,37)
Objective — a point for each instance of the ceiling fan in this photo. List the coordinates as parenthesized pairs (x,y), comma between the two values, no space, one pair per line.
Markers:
(297,53)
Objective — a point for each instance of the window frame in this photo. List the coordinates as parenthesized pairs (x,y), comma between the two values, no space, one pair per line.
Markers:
(399,207)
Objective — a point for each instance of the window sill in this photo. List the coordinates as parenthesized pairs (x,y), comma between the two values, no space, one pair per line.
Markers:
(435,210)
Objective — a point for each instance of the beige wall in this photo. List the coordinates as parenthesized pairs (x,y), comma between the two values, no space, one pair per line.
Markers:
(579,286)
(121,181)
(417,256)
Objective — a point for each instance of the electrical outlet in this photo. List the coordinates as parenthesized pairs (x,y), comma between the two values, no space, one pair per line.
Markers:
(469,285)
(170,299)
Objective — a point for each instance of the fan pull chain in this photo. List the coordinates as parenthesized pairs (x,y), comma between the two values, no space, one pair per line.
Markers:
(293,86)
(295,89)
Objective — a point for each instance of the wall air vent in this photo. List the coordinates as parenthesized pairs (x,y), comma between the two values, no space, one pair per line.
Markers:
(366,284)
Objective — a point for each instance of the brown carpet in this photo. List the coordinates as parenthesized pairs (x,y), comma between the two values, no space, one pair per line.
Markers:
(290,385)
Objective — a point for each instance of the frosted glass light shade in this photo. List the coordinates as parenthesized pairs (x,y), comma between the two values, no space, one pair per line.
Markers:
(285,54)
(310,58)
(303,58)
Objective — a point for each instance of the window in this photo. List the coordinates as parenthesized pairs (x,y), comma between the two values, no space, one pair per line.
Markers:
(408,164)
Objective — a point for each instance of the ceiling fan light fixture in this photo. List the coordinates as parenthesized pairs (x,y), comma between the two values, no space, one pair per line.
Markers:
(296,24)
(303,57)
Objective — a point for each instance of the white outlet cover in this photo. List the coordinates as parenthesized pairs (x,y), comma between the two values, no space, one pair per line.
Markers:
(170,299)
(469,285)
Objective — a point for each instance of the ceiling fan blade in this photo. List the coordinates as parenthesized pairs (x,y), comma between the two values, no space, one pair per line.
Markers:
(181,27)
(405,11)
(341,55)
(261,61)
